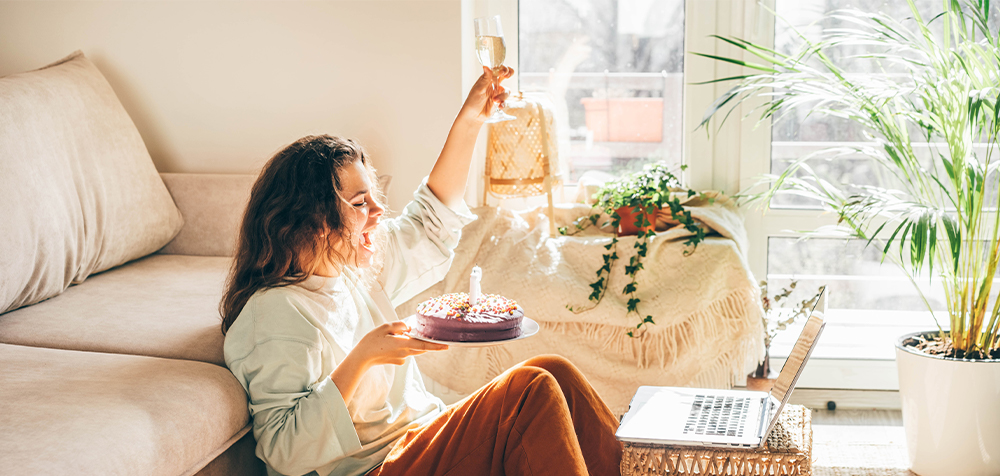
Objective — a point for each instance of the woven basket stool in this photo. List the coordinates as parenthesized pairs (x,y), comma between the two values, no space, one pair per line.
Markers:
(788,451)
(522,155)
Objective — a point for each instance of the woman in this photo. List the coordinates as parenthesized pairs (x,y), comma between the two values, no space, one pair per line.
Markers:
(312,336)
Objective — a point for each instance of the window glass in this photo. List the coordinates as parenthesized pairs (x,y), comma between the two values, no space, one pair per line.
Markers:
(856,275)
(614,70)
(799,133)
(869,303)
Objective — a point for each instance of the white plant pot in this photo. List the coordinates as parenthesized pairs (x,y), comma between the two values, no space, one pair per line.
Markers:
(951,413)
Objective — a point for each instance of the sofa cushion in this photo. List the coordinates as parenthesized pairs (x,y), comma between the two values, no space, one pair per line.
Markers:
(78,190)
(212,205)
(161,306)
(69,412)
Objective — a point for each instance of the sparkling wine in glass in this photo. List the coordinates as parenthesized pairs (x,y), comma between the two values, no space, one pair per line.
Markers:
(491,50)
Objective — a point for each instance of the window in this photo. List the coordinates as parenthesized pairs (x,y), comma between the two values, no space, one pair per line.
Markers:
(592,53)
(615,71)
(870,303)
(801,133)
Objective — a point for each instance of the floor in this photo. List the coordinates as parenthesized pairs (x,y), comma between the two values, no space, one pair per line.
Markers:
(859,443)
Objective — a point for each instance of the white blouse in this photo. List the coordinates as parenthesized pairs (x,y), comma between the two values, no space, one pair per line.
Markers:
(287,341)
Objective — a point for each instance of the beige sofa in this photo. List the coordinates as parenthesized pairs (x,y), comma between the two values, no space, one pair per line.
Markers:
(110,342)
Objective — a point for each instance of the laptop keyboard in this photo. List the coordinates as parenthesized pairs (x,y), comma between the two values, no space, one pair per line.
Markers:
(716,415)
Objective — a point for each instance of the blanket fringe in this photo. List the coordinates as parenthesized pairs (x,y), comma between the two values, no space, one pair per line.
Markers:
(723,372)
(734,317)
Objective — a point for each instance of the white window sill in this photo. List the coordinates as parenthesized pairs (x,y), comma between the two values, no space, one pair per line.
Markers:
(856,350)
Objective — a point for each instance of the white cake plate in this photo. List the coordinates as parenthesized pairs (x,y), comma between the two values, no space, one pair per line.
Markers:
(528,328)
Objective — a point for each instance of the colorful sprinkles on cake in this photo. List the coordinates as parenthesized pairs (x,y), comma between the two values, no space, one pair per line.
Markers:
(457,305)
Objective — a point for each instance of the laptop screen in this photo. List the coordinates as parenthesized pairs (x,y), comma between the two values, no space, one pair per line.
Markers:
(796,361)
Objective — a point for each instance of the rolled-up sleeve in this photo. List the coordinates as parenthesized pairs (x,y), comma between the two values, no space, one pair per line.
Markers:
(300,419)
(420,243)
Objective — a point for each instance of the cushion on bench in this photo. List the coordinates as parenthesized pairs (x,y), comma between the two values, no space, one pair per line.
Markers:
(161,306)
(68,412)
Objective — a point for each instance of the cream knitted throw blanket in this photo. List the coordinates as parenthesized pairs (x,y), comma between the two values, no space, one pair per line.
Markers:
(706,304)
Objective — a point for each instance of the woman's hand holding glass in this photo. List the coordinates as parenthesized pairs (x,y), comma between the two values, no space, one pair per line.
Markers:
(491,50)
(485,94)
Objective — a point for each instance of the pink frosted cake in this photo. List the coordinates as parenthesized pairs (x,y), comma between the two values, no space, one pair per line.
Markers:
(450,318)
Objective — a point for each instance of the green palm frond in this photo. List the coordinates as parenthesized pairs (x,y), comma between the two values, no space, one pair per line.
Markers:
(940,216)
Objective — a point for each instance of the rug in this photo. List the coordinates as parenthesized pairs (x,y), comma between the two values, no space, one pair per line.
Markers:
(859,450)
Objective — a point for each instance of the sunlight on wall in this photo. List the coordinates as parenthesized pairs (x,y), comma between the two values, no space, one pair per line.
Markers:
(219,86)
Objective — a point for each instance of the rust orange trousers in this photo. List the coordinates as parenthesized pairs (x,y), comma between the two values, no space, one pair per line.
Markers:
(540,417)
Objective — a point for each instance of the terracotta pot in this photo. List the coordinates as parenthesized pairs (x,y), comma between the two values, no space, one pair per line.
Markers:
(762,384)
(624,119)
(951,412)
(626,226)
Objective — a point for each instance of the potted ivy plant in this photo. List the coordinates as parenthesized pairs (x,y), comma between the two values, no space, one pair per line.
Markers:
(632,204)
(940,221)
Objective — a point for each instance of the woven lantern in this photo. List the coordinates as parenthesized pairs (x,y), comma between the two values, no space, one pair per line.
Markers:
(522,155)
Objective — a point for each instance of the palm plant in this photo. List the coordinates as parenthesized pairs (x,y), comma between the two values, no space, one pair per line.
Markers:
(942,217)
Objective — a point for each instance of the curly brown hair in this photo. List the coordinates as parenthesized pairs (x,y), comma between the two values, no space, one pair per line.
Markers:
(293,204)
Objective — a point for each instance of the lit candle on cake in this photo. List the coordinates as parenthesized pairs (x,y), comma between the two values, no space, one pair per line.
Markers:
(474,290)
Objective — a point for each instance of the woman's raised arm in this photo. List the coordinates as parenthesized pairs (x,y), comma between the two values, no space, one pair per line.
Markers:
(451,170)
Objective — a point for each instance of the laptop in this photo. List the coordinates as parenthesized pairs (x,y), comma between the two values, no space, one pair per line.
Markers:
(718,418)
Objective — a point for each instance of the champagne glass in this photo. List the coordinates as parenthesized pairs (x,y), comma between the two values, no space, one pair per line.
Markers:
(491,50)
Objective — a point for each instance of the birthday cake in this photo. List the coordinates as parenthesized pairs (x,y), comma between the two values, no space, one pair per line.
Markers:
(451,318)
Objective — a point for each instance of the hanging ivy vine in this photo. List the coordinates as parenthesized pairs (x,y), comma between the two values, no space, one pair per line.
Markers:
(645,194)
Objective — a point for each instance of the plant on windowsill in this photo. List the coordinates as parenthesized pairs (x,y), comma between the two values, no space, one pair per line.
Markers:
(632,204)
(776,318)
(942,212)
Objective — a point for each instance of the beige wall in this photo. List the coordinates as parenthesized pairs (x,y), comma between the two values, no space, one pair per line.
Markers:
(219,86)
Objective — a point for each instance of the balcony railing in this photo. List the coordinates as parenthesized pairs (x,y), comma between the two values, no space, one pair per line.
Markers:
(576,80)
(614,115)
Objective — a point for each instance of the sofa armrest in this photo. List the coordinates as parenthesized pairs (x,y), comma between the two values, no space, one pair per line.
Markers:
(212,206)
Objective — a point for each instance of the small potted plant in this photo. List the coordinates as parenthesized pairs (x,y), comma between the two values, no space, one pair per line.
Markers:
(777,318)
(632,204)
